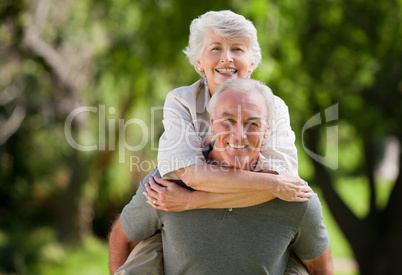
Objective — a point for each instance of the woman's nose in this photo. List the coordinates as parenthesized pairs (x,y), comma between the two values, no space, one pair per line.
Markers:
(226,56)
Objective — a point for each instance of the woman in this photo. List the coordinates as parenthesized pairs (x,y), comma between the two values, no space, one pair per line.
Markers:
(222,45)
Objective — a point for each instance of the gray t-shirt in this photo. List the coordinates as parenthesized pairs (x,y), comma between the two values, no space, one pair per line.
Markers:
(251,240)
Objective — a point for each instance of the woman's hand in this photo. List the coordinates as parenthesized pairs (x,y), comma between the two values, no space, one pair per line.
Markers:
(168,197)
(292,188)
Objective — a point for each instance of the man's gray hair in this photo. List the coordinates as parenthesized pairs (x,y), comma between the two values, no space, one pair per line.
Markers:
(248,86)
(226,24)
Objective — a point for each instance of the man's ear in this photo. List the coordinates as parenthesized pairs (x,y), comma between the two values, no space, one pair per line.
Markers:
(211,124)
(266,134)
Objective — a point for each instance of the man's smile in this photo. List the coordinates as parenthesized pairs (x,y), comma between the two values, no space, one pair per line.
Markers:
(237,146)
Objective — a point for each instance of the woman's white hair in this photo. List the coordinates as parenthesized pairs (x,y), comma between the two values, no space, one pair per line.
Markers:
(226,24)
(247,86)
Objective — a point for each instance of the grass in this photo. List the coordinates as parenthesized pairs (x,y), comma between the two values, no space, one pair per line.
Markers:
(90,259)
(37,252)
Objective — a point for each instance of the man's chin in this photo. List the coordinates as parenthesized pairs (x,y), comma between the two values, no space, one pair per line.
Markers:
(242,162)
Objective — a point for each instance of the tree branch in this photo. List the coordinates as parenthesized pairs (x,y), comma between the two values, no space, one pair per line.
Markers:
(10,93)
(10,126)
(52,58)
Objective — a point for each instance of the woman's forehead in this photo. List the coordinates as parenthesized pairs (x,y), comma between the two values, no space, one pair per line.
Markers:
(217,37)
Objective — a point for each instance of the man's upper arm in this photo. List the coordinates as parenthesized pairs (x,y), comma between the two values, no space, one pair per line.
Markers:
(320,265)
(312,239)
(119,247)
(312,242)
(139,220)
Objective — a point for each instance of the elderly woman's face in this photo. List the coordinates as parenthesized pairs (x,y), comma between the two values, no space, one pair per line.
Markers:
(223,59)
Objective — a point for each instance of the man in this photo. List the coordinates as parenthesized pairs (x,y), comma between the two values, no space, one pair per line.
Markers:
(250,240)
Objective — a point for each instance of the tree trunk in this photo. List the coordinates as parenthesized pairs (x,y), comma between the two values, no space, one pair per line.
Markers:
(376,240)
(68,226)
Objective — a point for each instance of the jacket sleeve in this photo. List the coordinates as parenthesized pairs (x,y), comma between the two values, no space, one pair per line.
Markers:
(279,148)
(181,143)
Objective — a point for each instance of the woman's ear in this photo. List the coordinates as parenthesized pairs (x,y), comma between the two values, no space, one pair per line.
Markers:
(198,64)
(250,68)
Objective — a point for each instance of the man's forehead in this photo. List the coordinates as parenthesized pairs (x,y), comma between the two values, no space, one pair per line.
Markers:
(233,102)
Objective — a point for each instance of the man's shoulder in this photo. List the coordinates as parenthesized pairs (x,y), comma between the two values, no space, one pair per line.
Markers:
(295,211)
(314,203)
(153,173)
(310,211)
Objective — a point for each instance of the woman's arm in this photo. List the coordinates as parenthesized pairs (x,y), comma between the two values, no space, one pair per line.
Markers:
(171,197)
(214,179)
(279,148)
(185,130)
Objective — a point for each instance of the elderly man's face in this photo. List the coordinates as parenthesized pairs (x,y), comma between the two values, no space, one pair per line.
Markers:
(240,125)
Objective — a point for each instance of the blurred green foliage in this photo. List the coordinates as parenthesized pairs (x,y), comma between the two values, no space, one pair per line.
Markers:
(121,58)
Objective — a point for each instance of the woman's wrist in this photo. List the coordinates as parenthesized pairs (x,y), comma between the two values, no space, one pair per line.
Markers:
(195,200)
(272,182)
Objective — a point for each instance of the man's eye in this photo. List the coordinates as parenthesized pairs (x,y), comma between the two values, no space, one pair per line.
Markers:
(251,125)
(230,120)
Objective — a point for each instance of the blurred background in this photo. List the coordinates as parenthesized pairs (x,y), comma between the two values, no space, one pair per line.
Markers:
(82,83)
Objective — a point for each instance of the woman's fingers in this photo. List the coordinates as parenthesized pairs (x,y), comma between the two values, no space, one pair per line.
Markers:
(307,190)
(151,191)
(154,189)
(291,188)
(155,193)
(156,183)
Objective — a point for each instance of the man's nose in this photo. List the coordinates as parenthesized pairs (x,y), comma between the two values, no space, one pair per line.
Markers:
(239,133)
